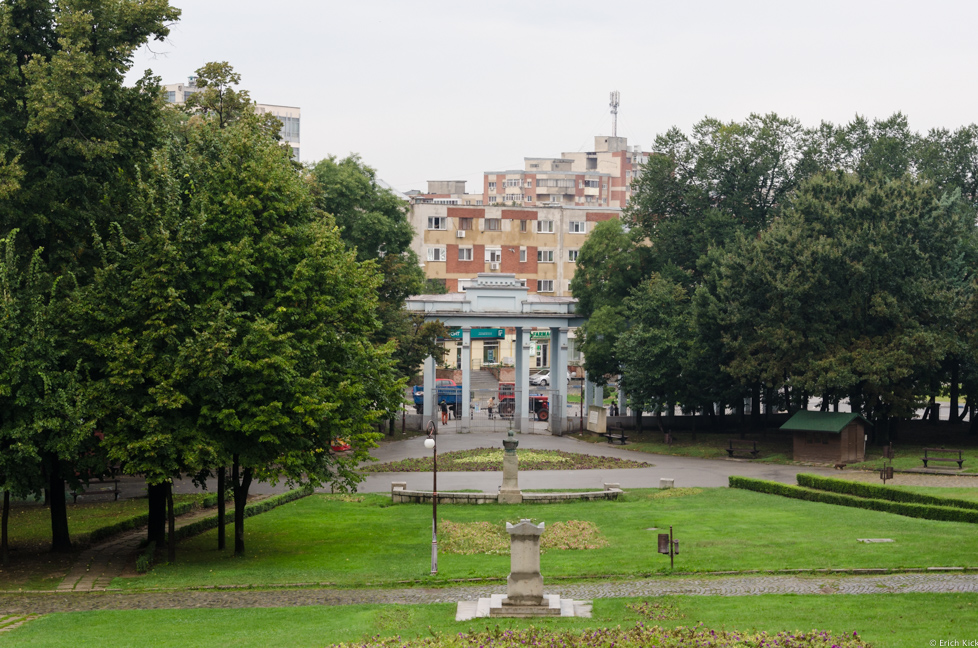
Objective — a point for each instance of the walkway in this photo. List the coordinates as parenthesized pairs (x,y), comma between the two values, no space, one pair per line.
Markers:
(99,564)
(829,583)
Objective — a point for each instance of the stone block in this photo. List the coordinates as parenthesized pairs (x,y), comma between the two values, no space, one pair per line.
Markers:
(665,482)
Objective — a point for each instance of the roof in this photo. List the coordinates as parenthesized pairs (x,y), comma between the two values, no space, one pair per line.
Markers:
(833,422)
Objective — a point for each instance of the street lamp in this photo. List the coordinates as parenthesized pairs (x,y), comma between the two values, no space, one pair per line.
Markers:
(429,443)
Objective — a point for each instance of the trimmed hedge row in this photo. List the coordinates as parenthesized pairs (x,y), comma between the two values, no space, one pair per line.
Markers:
(877,491)
(206,524)
(925,511)
(137,521)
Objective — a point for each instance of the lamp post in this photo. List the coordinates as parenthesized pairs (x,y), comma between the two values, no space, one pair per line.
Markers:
(429,443)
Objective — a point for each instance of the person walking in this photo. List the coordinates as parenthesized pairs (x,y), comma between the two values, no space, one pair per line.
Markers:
(444,412)
(490,405)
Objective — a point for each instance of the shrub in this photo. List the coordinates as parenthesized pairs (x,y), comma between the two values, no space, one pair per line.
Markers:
(925,511)
(639,636)
(137,521)
(206,524)
(878,491)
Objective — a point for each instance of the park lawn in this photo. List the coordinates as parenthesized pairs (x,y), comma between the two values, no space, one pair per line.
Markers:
(324,539)
(907,457)
(774,448)
(885,620)
(31,525)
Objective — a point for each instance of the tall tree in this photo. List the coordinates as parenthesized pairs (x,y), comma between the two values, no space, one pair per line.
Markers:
(72,139)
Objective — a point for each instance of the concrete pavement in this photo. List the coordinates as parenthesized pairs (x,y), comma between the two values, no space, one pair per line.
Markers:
(687,471)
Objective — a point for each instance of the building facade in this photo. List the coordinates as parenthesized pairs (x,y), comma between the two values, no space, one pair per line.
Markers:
(177,93)
(539,245)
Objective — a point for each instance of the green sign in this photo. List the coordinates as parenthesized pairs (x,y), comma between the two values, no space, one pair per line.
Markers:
(480,334)
(539,335)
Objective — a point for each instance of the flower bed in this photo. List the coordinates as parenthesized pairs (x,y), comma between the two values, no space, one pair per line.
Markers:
(491,459)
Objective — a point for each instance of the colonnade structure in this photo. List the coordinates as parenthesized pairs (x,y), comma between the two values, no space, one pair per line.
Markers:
(500,300)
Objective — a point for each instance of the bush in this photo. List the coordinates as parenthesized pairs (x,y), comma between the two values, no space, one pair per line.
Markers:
(877,491)
(206,524)
(145,560)
(925,511)
(137,521)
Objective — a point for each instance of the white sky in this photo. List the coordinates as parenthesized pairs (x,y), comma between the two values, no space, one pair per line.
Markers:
(438,90)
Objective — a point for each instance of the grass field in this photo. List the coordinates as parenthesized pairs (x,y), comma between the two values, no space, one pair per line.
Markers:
(338,540)
(885,620)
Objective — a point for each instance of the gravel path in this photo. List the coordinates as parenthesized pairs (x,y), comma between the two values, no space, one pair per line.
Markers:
(46,603)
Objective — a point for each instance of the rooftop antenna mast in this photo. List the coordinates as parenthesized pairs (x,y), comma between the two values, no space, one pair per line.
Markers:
(615,96)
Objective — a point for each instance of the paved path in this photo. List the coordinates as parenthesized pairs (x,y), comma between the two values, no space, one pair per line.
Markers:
(99,564)
(687,471)
(829,583)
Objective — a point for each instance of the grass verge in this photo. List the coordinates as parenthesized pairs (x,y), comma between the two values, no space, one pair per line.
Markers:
(885,620)
(340,540)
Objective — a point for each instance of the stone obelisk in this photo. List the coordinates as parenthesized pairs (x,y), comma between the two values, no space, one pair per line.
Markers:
(509,492)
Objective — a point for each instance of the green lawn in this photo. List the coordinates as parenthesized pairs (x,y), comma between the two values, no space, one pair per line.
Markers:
(885,620)
(908,457)
(324,539)
(774,448)
(31,525)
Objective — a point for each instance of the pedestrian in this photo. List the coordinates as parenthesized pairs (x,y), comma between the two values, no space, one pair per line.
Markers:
(444,412)
(490,405)
(614,408)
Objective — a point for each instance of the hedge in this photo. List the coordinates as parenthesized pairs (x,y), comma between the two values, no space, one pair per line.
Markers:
(877,491)
(925,511)
(137,521)
(206,524)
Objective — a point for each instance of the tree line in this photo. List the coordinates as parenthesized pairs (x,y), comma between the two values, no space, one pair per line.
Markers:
(178,297)
(763,261)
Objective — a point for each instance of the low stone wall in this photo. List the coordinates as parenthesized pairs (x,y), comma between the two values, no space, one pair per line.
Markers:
(401,495)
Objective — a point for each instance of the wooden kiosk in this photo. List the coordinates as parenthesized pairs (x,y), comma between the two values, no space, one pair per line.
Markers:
(828,437)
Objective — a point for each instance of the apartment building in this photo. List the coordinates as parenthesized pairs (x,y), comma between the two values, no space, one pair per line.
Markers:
(537,244)
(598,178)
(290,116)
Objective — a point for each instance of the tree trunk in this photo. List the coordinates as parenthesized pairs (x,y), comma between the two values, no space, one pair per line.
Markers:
(171,535)
(4,549)
(221,506)
(241,483)
(638,420)
(390,426)
(952,416)
(755,407)
(156,528)
(935,410)
(60,538)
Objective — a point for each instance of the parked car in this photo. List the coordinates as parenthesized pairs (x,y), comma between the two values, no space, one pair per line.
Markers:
(448,391)
(543,378)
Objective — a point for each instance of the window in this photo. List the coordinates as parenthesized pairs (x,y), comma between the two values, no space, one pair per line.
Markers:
(478,202)
(522,225)
(492,186)
(545,227)
(545,285)
(437,223)
(578,227)
(592,184)
(513,198)
(492,200)
(572,255)
(494,255)
(436,254)
(529,183)
(171,96)
(523,254)
(494,224)
(465,254)
(513,182)
(465,223)
(545,256)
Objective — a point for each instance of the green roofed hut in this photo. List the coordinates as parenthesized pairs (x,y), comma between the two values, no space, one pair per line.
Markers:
(828,437)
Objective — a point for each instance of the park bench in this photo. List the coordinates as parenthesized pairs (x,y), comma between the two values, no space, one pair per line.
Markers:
(92,491)
(944,451)
(616,433)
(747,447)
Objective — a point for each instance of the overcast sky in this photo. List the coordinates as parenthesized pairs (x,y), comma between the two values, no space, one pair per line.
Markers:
(437,90)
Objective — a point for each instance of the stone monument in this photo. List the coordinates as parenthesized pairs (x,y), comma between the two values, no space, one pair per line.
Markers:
(524,587)
(509,492)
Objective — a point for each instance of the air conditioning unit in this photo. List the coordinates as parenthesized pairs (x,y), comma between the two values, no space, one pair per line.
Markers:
(494,265)
(460,234)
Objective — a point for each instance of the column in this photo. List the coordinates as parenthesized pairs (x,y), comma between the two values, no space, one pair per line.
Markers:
(622,409)
(587,393)
(430,395)
(558,380)
(466,376)
(521,417)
